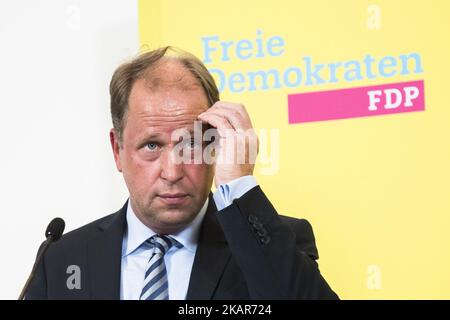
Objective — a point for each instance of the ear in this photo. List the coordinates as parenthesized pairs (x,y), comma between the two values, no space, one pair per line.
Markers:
(114,138)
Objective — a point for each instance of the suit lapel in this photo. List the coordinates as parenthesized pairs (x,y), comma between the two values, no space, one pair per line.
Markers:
(104,257)
(211,257)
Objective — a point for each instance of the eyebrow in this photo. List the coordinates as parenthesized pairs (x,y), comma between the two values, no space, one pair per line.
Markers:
(156,135)
(151,135)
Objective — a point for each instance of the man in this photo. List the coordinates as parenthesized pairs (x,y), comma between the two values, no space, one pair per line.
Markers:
(173,239)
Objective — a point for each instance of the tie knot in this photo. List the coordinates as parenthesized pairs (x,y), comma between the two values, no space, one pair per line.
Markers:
(162,243)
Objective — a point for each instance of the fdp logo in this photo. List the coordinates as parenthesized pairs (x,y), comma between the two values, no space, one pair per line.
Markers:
(356,102)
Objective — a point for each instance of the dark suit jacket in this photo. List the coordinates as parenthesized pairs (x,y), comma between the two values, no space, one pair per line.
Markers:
(245,251)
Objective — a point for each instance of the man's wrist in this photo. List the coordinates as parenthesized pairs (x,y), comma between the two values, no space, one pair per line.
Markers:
(226,193)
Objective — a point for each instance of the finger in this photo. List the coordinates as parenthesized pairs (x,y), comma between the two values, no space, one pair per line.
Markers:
(220,123)
(232,106)
(232,116)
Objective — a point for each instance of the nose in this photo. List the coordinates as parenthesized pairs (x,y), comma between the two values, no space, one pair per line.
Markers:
(171,169)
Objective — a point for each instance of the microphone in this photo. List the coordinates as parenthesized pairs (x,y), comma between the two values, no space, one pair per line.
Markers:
(54,231)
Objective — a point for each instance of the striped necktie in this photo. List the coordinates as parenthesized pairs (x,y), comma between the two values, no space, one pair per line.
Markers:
(155,281)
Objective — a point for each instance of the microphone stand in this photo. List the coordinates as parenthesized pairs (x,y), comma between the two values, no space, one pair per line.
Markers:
(35,266)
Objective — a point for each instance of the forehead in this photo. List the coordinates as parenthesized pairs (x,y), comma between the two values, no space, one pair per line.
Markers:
(170,72)
(166,96)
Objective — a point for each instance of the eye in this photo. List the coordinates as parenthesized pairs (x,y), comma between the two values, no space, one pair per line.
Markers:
(152,146)
(194,144)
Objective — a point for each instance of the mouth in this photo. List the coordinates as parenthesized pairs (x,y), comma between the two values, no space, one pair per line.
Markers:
(173,198)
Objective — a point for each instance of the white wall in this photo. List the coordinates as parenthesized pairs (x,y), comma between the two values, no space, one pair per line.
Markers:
(56,60)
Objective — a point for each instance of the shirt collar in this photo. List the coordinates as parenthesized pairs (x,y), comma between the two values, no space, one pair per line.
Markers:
(137,232)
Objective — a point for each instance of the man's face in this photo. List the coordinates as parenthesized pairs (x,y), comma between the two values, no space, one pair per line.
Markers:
(165,195)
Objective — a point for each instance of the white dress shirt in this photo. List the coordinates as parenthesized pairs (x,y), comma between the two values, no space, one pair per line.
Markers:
(178,261)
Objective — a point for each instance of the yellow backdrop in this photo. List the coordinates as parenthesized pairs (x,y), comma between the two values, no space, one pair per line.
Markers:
(376,189)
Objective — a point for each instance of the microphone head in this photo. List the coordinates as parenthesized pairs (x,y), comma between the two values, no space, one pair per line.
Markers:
(55,229)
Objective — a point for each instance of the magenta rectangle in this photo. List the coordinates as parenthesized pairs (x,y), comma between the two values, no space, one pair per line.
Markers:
(356,102)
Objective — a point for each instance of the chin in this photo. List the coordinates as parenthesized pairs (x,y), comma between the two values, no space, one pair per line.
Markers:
(173,220)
